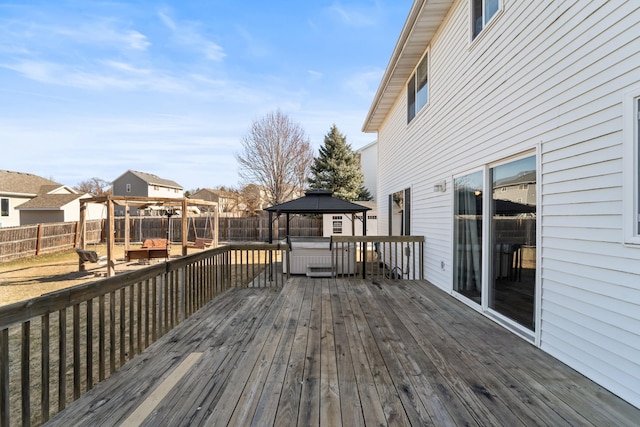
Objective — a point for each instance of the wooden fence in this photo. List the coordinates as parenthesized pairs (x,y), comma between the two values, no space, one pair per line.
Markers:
(245,229)
(30,240)
(56,347)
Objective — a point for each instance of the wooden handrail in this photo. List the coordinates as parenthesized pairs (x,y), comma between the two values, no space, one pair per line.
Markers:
(107,322)
(392,257)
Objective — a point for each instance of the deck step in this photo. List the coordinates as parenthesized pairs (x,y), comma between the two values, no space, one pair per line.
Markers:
(319,270)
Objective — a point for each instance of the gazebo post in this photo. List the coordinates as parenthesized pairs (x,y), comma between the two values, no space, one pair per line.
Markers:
(287,228)
(364,223)
(270,227)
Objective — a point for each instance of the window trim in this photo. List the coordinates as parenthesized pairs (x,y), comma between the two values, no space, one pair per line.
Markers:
(486,25)
(8,214)
(631,167)
(412,78)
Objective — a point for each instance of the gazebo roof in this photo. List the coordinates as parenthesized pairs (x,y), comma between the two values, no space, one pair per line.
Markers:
(317,202)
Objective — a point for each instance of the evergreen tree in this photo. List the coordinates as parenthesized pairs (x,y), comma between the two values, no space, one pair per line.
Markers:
(337,168)
(364,194)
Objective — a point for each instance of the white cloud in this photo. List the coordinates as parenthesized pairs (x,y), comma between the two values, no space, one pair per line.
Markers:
(255,47)
(135,40)
(188,34)
(364,84)
(40,71)
(314,75)
(353,15)
(116,75)
(126,67)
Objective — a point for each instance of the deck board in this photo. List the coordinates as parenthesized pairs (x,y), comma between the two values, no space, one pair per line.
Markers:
(325,351)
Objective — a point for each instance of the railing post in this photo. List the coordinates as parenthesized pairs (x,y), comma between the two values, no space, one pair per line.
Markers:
(5,414)
(363,251)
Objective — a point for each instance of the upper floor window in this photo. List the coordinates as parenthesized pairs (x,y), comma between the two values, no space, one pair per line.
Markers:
(632,166)
(4,207)
(128,188)
(482,11)
(418,89)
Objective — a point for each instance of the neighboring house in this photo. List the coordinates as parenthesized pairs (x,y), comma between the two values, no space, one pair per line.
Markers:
(229,203)
(30,199)
(508,137)
(369,165)
(341,224)
(134,183)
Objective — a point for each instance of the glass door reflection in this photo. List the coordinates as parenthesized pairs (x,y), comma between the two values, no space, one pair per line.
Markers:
(467,275)
(513,236)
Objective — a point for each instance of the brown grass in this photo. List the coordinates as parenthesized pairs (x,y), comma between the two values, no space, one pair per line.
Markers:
(31,277)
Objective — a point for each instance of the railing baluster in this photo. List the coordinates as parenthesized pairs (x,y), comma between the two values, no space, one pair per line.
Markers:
(164,324)
(112,332)
(131,322)
(45,369)
(62,359)
(154,307)
(101,338)
(123,327)
(26,373)
(89,351)
(139,318)
(147,312)
(76,351)
(4,378)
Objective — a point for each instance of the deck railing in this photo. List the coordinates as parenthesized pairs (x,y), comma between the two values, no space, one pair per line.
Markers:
(392,257)
(56,347)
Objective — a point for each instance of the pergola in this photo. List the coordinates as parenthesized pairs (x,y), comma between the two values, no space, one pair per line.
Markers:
(317,202)
(168,203)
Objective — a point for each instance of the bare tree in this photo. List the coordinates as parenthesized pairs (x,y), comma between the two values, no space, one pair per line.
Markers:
(252,197)
(95,186)
(276,155)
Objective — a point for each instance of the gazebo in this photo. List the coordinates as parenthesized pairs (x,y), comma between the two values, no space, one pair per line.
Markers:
(317,202)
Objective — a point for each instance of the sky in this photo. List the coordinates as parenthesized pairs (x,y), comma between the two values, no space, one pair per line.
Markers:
(91,89)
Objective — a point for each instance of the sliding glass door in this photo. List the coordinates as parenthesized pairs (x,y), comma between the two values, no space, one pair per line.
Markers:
(495,263)
(467,226)
(513,234)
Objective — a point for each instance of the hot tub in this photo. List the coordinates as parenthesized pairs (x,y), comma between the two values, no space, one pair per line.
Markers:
(313,256)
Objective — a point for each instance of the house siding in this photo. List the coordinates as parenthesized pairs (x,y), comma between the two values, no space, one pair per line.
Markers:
(545,77)
(13,220)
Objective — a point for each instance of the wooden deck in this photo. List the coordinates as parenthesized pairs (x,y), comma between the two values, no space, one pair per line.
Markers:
(344,352)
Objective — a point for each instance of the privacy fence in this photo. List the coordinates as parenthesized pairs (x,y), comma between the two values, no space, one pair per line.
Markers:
(30,240)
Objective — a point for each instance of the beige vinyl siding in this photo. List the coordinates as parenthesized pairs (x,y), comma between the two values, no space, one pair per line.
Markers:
(550,74)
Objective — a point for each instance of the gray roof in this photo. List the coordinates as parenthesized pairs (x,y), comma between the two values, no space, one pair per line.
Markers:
(152,179)
(49,201)
(316,202)
(25,183)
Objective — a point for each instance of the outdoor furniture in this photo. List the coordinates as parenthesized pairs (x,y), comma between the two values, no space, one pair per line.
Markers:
(201,243)
(151,248)
(90,256)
